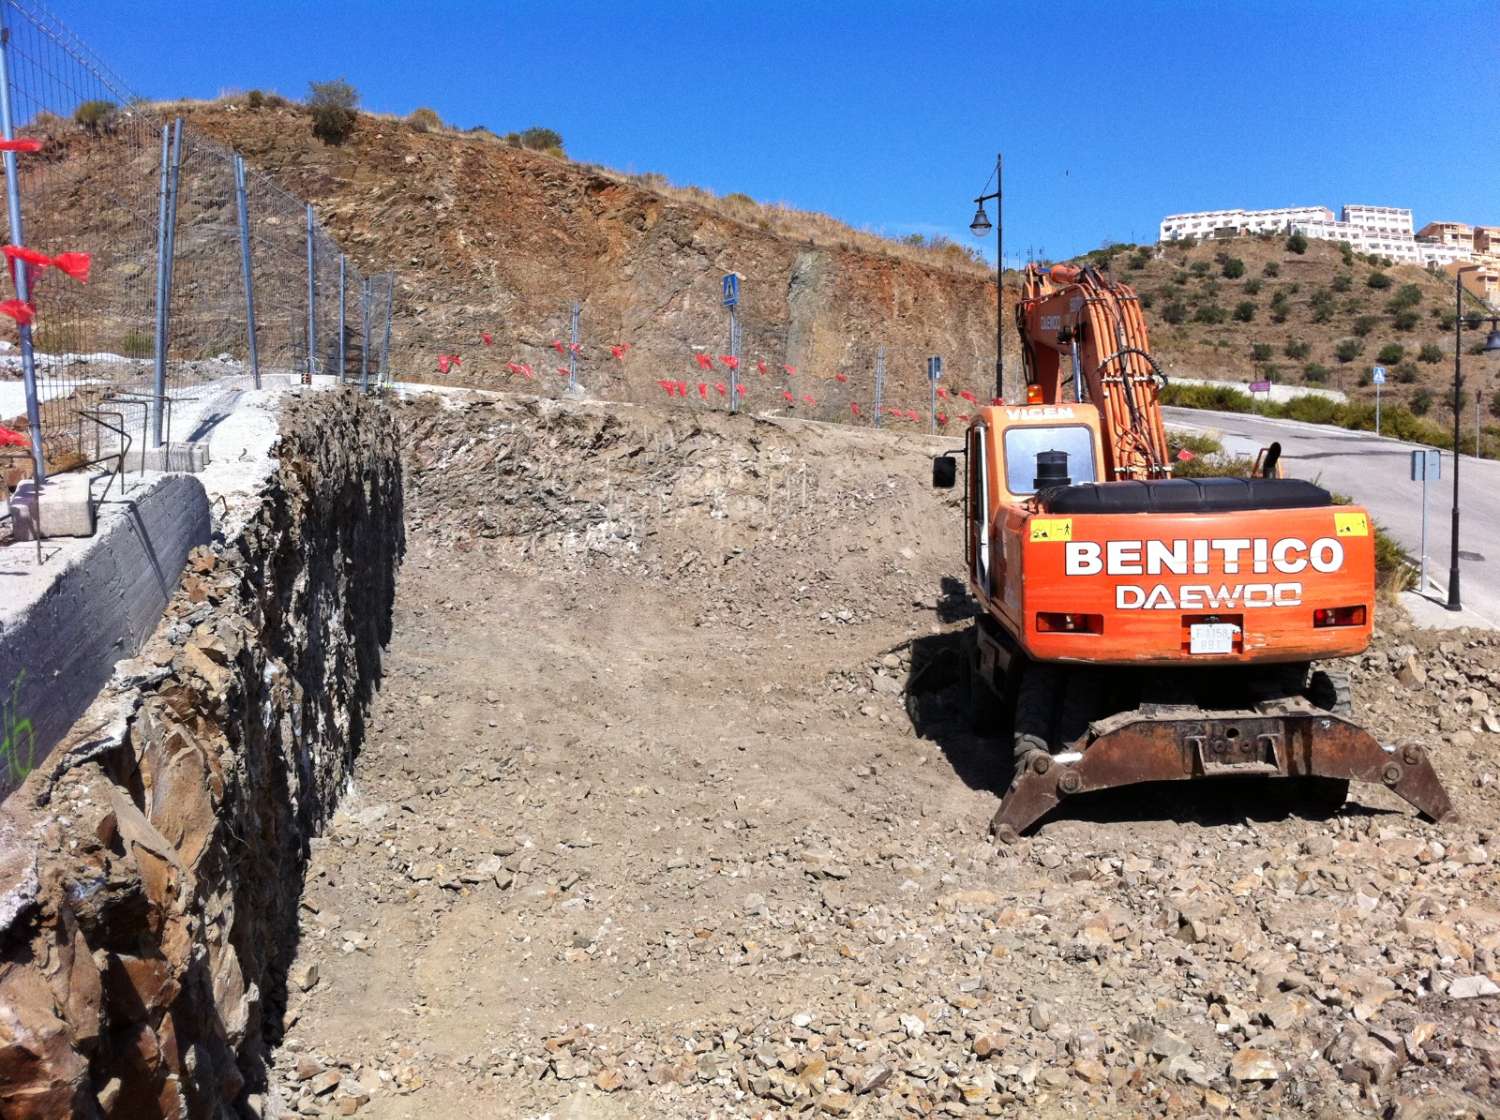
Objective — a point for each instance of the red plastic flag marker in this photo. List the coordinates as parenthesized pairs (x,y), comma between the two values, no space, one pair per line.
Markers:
(9,438)
(19,310)
(740,389)
(703,389)
(720,389)
(942,393)
(968,396)
(787,393)
(911,414)
(563,371)
(21,144)
(854,408)
(1185,456)
(790,370)
(526,369)
(730,361)
(667,386)
(942,418)
(964,416)
(489,339)
(618,350)
(807,400)
(760,366)
(557,345)
(841,377)
(442,363)
(705,361)
(75,265)
(997,400)
(682,388)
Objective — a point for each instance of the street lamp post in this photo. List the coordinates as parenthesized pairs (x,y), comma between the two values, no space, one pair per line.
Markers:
(979,227)
(1491,344)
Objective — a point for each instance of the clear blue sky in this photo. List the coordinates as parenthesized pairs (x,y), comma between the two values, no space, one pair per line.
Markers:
(888,115)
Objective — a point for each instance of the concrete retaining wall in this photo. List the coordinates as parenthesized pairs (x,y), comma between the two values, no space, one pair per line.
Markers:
(150,872)
(63,626)
(1280,394)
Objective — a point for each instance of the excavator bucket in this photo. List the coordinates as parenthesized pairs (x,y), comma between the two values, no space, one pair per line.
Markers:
(1287,738)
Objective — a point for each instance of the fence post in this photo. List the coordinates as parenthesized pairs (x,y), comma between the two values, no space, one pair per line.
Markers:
(343,281)
(166,222)
(879,382)
(312,301)
(734,352)
(573,348)
(385,345)
(364,345)
(23,283)
(242,204)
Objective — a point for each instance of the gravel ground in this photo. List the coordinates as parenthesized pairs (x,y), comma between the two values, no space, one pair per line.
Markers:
(670,809)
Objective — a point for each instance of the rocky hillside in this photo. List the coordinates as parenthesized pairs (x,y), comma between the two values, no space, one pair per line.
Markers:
(491,239)
(1250,308)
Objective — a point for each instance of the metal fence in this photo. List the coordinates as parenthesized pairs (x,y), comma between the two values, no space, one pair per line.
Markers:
(203,276)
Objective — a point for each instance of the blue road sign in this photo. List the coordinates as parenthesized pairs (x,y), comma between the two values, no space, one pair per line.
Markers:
(1379,377)
(731,289)
(934,368)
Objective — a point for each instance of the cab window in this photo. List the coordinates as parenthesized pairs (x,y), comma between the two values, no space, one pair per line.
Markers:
(1023,444)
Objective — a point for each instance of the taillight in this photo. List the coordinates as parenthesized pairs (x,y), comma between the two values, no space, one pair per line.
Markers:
(1339,616)
(1033,394)
(1055,622)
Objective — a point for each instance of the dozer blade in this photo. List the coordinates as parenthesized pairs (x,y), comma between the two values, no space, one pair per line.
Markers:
(1287,738)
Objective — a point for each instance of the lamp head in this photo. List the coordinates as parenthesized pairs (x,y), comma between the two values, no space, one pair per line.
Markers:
(1492,342)
(981,223)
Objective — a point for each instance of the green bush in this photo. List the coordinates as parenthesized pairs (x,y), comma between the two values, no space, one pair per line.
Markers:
(1174,312)
(1348,349)
(1252,287)
(1406,373)
(1233,268)
(1147,299)
(1260,351)
(255,100)
(1296,349)
(137,344)
(1312,410)
(1199,267)
(1431,352)
(1270,268)
(1244,311)
(1321,303)
(1210,313)
(1315,373)
(1391,353)
(1408,295)
(1495,403)
(1139,259)
(1406,320)
(1342,282)
(1364,325)
(333,106)
(540,139)
(1378,281)
(1421,402)
(95,116)
(1297,243)
(425,120)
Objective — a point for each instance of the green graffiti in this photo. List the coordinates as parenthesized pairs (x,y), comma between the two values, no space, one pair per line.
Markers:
(18,748)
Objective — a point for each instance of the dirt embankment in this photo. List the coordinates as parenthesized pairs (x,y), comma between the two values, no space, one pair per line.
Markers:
(670,808)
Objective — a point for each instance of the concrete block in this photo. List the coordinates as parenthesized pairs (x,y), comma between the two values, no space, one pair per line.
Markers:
(67,507)
(182,458)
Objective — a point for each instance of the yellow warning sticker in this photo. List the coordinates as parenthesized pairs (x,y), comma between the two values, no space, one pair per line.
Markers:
(1051,529)
(1351,524)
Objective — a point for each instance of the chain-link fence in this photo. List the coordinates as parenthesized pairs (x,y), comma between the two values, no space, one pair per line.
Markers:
(156,272)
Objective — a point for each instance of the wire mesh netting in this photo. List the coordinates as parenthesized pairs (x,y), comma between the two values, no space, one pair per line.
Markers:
(159,209)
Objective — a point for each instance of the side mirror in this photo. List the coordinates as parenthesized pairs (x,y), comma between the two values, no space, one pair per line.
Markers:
(944,471)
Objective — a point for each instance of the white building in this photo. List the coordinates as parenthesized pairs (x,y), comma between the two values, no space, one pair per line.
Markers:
(1226,223)
(1382,231)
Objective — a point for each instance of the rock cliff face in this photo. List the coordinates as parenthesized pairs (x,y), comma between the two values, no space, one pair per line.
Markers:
(488,238)
(149,876)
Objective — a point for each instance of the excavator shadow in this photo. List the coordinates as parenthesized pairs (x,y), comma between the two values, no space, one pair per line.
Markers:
(937,703)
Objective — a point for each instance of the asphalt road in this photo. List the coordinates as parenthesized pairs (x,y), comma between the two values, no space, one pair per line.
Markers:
(1376,472)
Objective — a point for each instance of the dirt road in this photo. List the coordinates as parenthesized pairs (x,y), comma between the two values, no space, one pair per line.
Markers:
(669,809)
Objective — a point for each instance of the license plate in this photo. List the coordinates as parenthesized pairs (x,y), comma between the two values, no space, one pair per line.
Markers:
(1212,637)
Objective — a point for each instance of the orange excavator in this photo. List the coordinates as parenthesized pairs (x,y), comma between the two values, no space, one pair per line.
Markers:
(1135,627)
